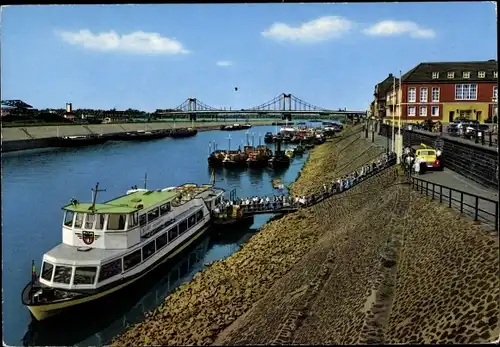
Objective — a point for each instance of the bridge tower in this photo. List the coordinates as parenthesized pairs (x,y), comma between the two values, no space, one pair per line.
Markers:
(191,108)
(287,106)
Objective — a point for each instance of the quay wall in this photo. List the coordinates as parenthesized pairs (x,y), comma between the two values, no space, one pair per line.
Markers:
(14,139)
(475,161)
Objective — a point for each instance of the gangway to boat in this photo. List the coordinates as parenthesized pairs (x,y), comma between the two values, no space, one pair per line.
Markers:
(234,213)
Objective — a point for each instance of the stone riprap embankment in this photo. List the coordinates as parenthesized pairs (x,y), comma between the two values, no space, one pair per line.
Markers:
(42,132)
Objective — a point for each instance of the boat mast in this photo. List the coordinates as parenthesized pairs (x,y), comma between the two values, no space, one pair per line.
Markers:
(94,195)
(145,179)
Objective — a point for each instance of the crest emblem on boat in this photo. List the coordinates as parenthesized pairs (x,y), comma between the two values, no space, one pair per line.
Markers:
(87,237)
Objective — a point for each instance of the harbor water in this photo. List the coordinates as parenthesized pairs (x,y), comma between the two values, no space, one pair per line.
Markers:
(36,184)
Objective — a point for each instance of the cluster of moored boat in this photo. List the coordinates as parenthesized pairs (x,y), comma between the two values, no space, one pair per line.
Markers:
(233,127)
(251,157)
(302,134)
(140,135)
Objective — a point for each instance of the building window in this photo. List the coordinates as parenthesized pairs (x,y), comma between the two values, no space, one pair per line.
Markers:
(423,94)
(435,75)
(423,111)
(435,111)
(495,74)
(465,91)
(495,92)
(481,74)
(466,74)
(435,94)
(451,75)
(411,111)
(412,95)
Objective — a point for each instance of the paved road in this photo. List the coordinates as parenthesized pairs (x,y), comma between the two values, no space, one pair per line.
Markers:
(486,202)
(453,180)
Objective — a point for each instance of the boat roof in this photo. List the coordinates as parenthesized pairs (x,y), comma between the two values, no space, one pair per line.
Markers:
(128,203)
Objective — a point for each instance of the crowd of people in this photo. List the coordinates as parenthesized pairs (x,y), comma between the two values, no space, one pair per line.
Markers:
(237,208)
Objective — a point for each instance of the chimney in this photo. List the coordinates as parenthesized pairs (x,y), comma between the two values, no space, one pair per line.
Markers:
(69,107)
(390,75)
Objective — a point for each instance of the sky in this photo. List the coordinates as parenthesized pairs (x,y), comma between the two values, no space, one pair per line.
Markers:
(156,56)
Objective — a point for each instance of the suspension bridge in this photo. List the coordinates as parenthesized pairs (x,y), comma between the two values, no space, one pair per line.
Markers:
(284,106)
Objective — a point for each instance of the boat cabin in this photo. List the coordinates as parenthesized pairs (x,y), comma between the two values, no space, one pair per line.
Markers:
(107,239)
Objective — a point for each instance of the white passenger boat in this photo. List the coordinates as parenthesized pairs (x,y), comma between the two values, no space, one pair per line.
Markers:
(106,247)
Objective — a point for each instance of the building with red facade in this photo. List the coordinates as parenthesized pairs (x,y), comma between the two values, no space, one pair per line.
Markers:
(446,91)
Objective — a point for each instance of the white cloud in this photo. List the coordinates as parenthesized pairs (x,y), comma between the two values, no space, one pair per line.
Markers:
(138,42)
(224,63)
(390,28)
(320,29)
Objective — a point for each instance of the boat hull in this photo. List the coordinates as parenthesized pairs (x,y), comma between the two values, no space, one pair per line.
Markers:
(184,133)
(257,164)
(231,164)
(138,136)
(281,163)
(80,142)
(45,311)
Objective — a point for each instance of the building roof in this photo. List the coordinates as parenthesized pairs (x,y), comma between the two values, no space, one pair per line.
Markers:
(383,87)
(423,72)
(127,203)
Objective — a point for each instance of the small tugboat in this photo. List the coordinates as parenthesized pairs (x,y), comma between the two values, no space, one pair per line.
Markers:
(299,149)
(268,137)
(215,159)
(80,140)
(109,246)
(277,184)
(234,159)
(181,133)
(279,160)
(259,157)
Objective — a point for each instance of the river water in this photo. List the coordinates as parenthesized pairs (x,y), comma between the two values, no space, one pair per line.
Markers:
(36,184)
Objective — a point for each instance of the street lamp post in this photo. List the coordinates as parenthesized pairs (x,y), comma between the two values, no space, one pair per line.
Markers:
(410,128)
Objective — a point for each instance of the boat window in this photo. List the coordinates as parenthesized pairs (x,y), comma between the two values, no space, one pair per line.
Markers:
(131,260)
(165,208)
(172,234)
(89,221)
(161,241)
(62,274)
(191,220)
(116,222)
(142,220)
(85,275)
(153,214)
(68,218)
(47,269)
(110,269)
(132,220)
(79,220)
(199,215)
(148,250)
(99,223)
